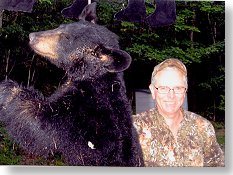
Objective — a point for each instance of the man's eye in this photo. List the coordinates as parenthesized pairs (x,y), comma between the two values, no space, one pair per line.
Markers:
(178,88)
(163,87)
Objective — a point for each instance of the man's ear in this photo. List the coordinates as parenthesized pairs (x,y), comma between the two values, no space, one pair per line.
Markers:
(152,90)
(115,60)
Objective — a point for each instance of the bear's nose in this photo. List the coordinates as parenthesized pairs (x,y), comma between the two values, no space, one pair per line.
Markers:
(31,36)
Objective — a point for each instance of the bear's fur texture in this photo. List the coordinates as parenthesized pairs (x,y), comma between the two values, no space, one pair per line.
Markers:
(88,118)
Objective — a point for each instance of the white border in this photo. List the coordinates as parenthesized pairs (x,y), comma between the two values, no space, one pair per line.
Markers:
(39,170)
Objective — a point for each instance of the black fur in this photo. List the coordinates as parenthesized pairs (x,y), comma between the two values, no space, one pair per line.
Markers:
(88,118)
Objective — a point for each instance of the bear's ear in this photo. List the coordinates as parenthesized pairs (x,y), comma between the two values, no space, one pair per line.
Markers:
(89,13)
(115,60)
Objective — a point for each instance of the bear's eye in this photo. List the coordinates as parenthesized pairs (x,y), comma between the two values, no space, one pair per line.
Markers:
(96,50)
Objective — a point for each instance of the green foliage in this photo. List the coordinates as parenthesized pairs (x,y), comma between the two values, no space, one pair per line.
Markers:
(49,2)
(211,7)
(127,25)
(9,151)
(221,140)
(150,7)
(106,11)
(221,106)
(181,21)
(220,132)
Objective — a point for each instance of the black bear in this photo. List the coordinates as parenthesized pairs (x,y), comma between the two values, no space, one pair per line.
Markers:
(88,118)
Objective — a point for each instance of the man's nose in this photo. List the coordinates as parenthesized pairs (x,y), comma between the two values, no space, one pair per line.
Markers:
(171,93)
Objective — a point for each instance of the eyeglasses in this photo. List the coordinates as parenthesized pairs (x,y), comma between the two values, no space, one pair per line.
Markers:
(166,89)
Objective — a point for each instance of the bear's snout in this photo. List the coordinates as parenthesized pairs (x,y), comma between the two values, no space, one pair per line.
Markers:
(44,44)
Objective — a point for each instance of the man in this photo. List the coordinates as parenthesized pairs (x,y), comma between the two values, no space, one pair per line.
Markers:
(169,135)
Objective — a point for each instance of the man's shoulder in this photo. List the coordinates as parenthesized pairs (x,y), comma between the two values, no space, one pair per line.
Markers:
(191,116)
(145,119)
(147,113)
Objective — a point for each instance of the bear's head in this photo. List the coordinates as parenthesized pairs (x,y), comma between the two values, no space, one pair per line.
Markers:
(82,48)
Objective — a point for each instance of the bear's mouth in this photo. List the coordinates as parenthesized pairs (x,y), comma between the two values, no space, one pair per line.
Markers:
(43,50)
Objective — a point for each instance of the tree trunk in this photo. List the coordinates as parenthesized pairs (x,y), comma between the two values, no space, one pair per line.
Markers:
(191,32)
(212,29)
(1,16)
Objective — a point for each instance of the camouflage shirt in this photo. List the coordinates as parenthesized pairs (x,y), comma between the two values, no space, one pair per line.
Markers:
(196,143)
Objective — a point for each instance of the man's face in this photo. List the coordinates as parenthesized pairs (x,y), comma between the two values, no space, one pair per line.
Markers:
(169,103)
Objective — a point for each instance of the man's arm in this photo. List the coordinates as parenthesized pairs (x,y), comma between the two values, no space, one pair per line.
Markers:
(213,154)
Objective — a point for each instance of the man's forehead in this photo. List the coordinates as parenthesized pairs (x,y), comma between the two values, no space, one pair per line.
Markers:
(170,75)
